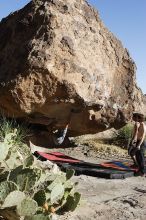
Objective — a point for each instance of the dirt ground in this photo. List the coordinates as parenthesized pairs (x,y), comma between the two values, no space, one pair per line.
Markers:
(105,199)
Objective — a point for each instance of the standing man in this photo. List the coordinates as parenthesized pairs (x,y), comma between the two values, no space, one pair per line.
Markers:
(139,140)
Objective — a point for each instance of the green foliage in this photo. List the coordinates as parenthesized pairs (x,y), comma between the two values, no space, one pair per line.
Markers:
(40,197)
(25,179)
(69,173)
(27,207)
(38,217)
(59,179)
(27,190)
(6,187)
(72,202)
(9,128)
(123,136)
(4,149)
(6,127)
(13,199)
(15,172)
(57,193)
(29,161)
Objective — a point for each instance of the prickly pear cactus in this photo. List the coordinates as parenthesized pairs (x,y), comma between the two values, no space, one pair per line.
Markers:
(57,193)
(13,199)
(28,162)
(72,202)
(69,173)
(4,149)
(27,207)
(25,179)
(6,187)
(29,192)
(40,197)
(38,217)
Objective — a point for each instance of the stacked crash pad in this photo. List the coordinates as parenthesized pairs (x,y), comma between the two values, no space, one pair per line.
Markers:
(110,170)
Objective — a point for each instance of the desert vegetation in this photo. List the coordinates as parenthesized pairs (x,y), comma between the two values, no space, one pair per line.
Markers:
(27,190)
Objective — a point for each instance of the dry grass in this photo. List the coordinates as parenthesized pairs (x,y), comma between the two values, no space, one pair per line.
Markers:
(102,148)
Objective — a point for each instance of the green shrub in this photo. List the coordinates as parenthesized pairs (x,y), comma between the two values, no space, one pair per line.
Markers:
(123,136)
(11,126)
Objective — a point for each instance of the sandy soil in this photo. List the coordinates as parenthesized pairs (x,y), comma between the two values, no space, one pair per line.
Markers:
(104,199)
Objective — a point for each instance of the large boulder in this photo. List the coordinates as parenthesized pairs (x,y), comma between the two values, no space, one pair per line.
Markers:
(57,55)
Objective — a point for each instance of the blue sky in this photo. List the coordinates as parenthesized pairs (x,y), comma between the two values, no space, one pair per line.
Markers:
(125,18)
